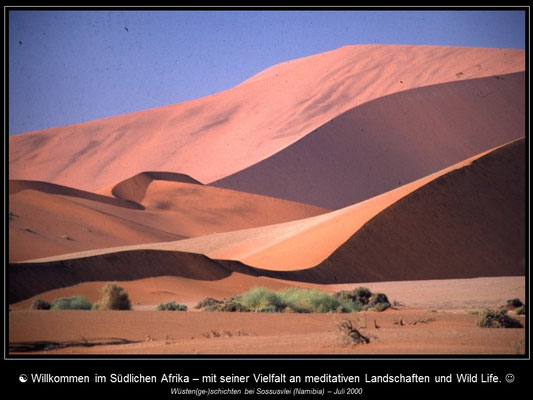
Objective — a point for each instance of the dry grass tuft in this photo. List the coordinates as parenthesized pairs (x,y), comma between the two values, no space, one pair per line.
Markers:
(348,335)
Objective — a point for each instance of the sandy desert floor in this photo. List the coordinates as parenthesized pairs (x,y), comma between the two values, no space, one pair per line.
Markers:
(218,333)
(435,317)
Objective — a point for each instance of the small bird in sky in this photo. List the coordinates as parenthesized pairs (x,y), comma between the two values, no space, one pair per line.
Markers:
(127,30)
(20,43)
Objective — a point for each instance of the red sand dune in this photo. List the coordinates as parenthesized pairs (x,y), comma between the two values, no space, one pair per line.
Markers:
(410,140)
(467,223)
(286,246)
(216,136)
(196,210)
(29,279)
(396,139)
(464,224)
(48,219)
(283,246)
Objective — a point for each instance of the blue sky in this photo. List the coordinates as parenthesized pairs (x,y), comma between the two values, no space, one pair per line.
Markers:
(73,66)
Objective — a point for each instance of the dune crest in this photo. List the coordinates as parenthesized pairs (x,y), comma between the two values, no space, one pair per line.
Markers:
(51,220)
(216,136)
(286,246)
(467,223)
(385,143)
(134,188)
(16,186)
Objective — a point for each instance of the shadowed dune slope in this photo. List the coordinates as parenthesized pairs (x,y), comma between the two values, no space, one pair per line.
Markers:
(465,224)
(27,280)
(49,220)
(388,142)
(218,135)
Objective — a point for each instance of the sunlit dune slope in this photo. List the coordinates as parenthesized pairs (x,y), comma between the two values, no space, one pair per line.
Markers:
(216,136)
(283,246)
(48,219)
(299,244)
(390,141)
(466,223)
(197,210)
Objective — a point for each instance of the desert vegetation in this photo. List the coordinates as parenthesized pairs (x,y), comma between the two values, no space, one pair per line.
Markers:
(207,302)
(113,297)
(517,306)
(71,303)
(514,303)
(171,306)
(520,310)
(498,319)
(349,335)
(299,300)
(364,299)
(62,303)
(40,304)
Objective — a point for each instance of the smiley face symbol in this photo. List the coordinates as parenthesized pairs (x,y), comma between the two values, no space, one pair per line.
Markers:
(509,378)
(23,378)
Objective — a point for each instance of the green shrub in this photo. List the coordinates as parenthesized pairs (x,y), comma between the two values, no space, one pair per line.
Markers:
(379,307)
(71,303)
(230,304)
(113,298)
(377,298)
(233,304)
(214,307)
(312,301)
(514,303)
(297,300)
(520,310)
(357,295)
(378,302)
(171,306)
(208,302)
(352,306)
(39,304)
(362,298)
(259,298)
(269,309)
(497,319)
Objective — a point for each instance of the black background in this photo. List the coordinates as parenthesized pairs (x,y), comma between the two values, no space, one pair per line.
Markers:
(196,368)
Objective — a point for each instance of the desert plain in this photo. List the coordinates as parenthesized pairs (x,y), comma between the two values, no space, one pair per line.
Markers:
(397,168)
